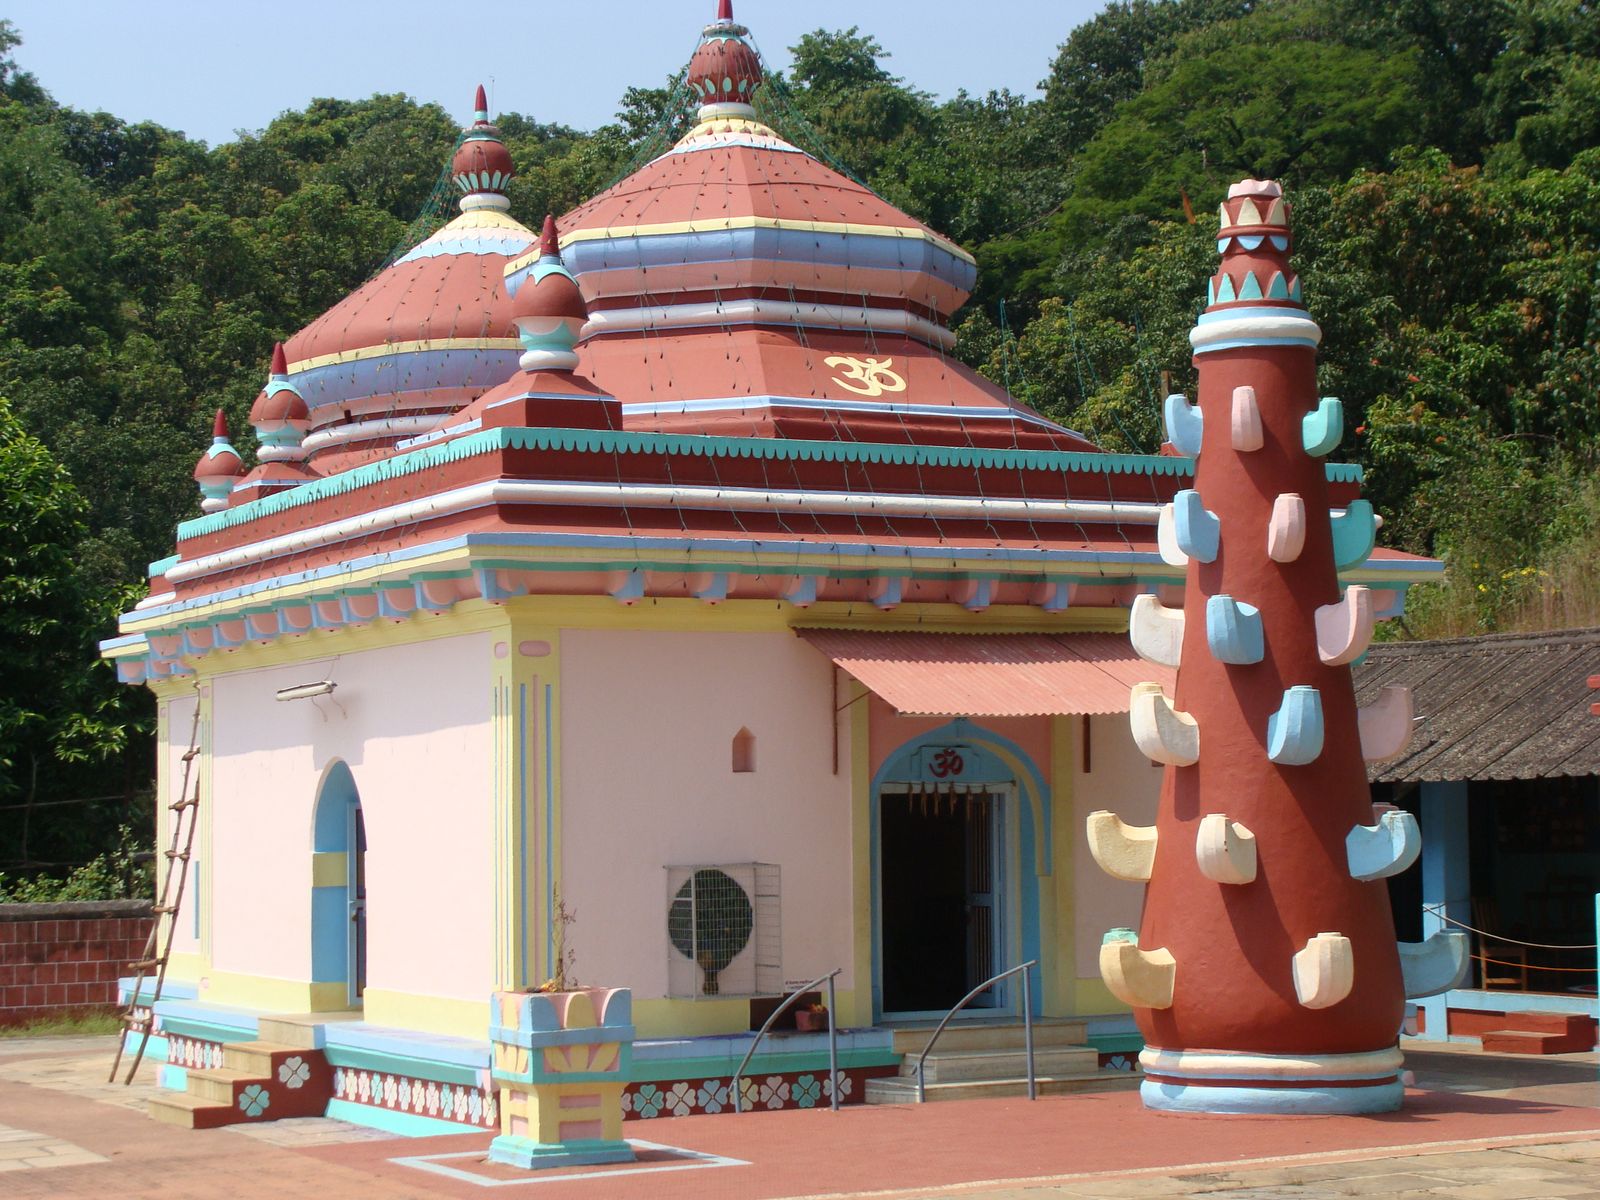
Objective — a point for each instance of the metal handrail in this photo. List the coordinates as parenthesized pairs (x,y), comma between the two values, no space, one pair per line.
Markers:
(833,1039)
(1027,1025)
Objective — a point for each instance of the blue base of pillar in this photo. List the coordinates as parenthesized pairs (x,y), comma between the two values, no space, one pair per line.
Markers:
(1310,1100)
(538,1156)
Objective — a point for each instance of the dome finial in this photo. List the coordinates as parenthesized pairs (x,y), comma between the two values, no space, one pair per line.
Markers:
(549,242)
(725,11)
(482,166)
(219,427)
(280,360)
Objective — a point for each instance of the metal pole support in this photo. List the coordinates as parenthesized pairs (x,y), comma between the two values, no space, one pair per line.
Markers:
(833,1045)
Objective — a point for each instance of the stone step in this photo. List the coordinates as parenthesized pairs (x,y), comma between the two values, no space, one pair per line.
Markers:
(260,1057)
(900,1090)
(1565,1024)
(191,1112)
(948,1067)
(987,1036)
(300,1030)
(1523,1041)
(219,1085)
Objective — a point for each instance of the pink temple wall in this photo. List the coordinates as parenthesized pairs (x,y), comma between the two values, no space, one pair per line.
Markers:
(648,722)
(413,723)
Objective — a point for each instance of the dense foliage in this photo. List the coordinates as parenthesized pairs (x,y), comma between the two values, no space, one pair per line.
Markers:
(1441,155)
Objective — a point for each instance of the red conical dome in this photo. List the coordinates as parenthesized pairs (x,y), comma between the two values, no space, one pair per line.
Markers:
(425,336)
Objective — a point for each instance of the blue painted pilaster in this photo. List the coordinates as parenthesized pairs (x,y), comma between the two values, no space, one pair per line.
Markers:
(1446,878)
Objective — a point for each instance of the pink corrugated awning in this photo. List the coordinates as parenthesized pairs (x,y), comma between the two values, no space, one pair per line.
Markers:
(991,674)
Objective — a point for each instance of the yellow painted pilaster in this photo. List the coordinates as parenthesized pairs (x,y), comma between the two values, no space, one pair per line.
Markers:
(510,971)
(857,1008)
(1060,940)
(534,657)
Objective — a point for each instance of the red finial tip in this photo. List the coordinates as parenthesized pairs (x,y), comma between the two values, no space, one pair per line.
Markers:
(724,10)
(280,360)
(480,102)
(219,427)
(549,244)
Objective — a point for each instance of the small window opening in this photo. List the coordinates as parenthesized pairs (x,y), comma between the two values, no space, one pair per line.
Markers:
(744,751)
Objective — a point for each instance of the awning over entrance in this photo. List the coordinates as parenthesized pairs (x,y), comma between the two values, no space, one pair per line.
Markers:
(991,674)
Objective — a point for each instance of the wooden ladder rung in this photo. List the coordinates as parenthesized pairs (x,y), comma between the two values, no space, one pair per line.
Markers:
(145,964)
(183,854)
(180,805)
(161,909)
(192,753)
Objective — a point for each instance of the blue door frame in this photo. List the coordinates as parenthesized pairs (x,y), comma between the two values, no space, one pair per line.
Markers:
(986,759)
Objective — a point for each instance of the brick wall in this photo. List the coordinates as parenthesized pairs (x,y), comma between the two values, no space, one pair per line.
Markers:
(56,956)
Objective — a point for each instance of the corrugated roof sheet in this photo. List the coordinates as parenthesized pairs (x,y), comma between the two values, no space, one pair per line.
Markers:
(1504,706)
(991,674)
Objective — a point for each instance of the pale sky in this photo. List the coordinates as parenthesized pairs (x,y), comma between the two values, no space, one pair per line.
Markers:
(209,67)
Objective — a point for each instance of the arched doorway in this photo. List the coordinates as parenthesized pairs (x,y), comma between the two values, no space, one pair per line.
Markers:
(955,859)
(339,885)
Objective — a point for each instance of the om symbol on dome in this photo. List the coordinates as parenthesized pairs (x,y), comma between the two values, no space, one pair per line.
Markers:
(866,376)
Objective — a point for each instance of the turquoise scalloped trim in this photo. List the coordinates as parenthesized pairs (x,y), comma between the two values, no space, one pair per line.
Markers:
(605,441)
(162,565)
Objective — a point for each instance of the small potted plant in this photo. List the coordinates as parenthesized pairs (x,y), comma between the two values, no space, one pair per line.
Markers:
(811,1018)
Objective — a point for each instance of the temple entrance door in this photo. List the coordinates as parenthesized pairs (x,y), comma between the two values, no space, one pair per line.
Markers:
(940,874)
(338,893)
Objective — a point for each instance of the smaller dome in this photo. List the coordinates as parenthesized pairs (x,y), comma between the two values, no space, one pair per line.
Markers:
(218,467)
(552,291)
(725,69)
(482,165)
(221,460)
(548,309)
(279,403)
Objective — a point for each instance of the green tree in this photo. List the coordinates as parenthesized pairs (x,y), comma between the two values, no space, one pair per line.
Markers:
(60,712)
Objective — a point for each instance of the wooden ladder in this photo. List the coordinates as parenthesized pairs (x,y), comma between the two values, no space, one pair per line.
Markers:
(158,948)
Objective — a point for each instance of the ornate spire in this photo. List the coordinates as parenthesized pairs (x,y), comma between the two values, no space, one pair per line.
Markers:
(725,71)
(280,415)
(1254,298)
(482,165)
(218,467)
(548,309)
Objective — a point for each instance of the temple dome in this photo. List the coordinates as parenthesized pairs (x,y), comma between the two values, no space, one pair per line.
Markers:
(427,334)
(738,285)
